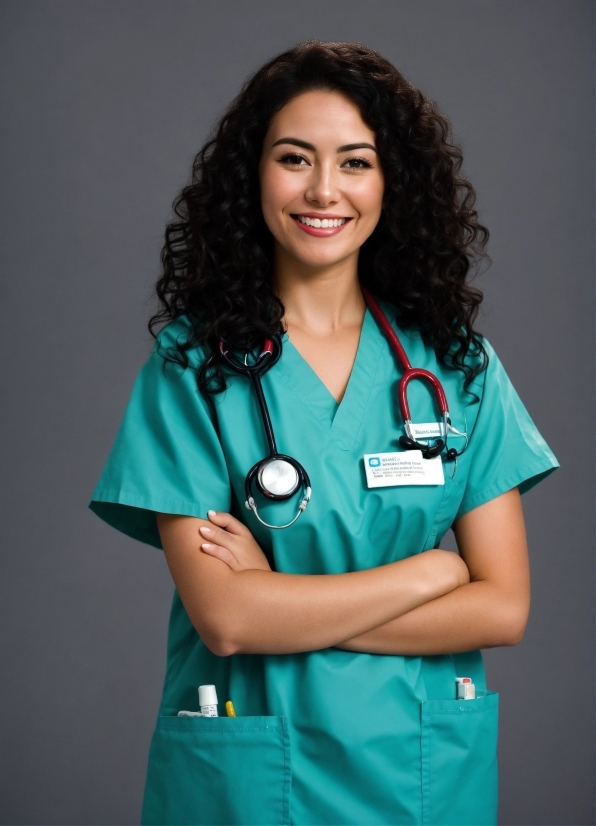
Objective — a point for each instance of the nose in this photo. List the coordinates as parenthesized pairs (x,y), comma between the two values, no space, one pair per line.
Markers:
(323,189)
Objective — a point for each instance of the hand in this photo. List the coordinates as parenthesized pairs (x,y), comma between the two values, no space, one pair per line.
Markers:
(232,542)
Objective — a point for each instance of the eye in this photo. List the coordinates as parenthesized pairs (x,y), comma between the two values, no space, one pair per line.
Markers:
(293,159)
(358,163)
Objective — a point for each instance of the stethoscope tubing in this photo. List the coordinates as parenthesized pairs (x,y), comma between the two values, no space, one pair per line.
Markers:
(269,355)
(409,371)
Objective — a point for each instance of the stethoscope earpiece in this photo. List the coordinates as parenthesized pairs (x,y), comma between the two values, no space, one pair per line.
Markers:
(428,451)
(409,444)
(431,451)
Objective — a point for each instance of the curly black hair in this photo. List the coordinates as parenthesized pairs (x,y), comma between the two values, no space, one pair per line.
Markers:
(218,254)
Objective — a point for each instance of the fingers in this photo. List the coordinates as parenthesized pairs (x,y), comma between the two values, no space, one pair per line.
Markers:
(229,522)
(219,536)
(221,553)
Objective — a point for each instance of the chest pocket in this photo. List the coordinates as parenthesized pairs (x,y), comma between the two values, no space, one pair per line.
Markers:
(218,770)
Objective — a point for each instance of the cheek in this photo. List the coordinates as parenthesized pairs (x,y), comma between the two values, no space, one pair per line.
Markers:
(277,191)
(369,200)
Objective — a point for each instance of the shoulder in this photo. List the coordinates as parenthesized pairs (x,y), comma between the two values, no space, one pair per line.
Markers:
(177,332)
(493,367)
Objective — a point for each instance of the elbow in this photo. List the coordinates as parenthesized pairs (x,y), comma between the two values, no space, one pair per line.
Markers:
(513,627)
(225,627)
(216,638)
(219,645)
(222,648)
(515,633)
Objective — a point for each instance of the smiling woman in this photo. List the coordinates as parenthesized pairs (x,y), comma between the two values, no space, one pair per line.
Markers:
(328,189)
(325,219)
(333,189)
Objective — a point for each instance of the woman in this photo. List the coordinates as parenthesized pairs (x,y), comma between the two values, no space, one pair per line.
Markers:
(328,196)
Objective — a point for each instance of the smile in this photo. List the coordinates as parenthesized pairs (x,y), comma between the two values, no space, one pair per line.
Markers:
(321,227)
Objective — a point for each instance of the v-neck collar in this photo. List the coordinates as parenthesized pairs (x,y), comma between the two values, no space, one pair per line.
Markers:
(343,419)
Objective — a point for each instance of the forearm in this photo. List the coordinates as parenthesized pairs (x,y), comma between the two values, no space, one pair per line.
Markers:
(475,615)
(276,613)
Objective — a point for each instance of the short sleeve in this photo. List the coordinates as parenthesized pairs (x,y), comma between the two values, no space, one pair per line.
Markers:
(506,449)
(167,456)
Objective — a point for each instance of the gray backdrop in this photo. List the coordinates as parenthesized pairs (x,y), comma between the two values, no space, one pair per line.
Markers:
(104,105)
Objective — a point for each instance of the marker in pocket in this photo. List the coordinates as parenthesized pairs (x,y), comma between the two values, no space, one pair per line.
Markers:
(466,690)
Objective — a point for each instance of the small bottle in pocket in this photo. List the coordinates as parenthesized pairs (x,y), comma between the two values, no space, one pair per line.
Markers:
(465,688)
(208,700)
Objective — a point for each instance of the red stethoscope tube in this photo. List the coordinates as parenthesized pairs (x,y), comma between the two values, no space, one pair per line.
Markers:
(409,371)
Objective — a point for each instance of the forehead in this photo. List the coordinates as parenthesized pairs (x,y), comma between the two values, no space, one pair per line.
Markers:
(320,117)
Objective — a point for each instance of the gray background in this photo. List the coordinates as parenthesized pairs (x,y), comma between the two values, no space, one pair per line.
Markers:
(104,104)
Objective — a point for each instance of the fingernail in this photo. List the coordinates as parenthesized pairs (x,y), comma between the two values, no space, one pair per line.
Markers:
(211,513)
(206,545)
(204,529)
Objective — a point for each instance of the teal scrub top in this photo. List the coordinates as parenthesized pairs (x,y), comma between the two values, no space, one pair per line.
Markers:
(327,736)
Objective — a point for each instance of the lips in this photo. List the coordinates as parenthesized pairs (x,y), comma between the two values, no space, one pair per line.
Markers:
(312,223)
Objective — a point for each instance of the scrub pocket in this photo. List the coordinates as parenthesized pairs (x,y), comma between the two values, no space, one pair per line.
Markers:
(218,770)
(459,761)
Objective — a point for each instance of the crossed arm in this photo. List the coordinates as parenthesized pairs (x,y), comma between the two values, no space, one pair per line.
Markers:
(490,610)
(433,603)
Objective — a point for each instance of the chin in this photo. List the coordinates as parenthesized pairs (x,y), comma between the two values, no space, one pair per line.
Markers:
(323,258)
(317,263)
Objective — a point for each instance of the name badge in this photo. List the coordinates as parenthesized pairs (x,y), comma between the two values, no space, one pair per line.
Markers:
(406,467)
(428,430)
(432,430)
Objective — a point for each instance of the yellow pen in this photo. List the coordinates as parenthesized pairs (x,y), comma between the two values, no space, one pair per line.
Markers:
(230,709)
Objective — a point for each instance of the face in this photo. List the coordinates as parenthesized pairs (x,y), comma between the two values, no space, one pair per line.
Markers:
(321,179)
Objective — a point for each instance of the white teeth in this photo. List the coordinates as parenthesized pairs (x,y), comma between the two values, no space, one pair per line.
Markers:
(322,223)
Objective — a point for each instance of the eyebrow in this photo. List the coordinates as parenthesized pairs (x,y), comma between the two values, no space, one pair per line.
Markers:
(349,147)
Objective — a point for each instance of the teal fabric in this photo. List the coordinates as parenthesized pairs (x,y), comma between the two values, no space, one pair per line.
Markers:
(236,769)
(327,736)
(459,760)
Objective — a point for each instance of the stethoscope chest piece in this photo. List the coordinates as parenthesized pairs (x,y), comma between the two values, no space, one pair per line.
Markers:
(277,478)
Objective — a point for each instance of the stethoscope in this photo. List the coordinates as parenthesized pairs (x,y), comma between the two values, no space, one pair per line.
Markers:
(278,476)
(408,442)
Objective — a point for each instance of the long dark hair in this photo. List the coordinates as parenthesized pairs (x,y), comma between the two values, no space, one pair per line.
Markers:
(218,253)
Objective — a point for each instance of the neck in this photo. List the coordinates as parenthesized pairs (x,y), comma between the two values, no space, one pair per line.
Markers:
(319,300)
